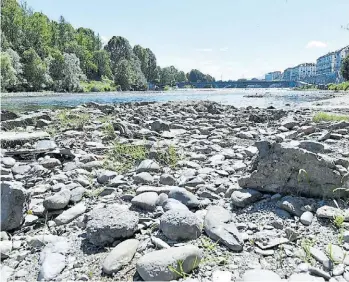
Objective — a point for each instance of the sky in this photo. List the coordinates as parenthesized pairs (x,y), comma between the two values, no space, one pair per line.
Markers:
(229,39)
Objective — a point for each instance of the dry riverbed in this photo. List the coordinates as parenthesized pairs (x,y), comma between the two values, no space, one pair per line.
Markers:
(187,191)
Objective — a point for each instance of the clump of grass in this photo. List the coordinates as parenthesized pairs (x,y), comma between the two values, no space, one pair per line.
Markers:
(169,157)
(179,269)
(123,157)
(306,244)
(94,193)
(67,119)
(108,130)
(321,116)
(338,221)
(209,244)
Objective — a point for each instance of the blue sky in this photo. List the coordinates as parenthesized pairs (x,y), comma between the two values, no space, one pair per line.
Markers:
(229,38)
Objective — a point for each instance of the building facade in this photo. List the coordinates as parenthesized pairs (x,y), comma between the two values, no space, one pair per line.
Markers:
(287,74)
(273,76)
(325,64)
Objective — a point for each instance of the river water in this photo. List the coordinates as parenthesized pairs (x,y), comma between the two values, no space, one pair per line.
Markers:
(237,97)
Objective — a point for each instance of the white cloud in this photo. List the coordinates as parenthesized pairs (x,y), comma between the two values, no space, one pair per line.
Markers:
(203,50)
(316,44)
(224,49)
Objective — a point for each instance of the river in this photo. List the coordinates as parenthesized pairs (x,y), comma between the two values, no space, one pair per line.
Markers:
(237,97)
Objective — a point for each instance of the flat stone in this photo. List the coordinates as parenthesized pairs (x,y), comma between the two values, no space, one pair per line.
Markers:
(52,265)
(244,197)
(292,205)
(143,178)
(180,225)
(120,256)
(167,179)
(159,243)
(260,275)
(5,249)
(146,201)
(219,227)
(320,256)
(185,197)
(303,277)
(148,166)
(173,204)
(70,214)
(163,265)
(10,138)
(331,212)
(272,243)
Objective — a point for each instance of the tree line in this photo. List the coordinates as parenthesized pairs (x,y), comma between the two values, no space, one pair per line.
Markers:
(42,54)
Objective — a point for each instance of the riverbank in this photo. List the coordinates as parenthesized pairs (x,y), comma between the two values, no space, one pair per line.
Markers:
(171,190)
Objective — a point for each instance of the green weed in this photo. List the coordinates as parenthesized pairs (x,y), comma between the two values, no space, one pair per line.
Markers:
(169,157)
(306,244)
(318,117)
(108,130)
(94,193)
(338,221)
(208,244)
(123,157)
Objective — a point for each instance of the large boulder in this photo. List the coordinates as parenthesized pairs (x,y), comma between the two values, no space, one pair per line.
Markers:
(13,198)
(219,227)
(283,167)
(106,224)
(180,225)
(167,264)
(146,201)
(184,196)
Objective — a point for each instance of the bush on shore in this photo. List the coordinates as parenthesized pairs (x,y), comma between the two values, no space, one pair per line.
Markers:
(98,86)
(342,86)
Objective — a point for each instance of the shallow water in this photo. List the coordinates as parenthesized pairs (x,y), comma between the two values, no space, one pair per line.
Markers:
(237,97)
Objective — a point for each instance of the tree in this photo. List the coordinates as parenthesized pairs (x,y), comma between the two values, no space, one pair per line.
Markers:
(181,77)
(8,73)
(168,76)
(345,68)
(143,57)
(101,59)
(35,70)
(128,75)
(119,48)
(72,73)
(152,73)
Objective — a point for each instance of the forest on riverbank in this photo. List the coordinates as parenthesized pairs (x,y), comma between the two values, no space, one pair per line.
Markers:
(40,54)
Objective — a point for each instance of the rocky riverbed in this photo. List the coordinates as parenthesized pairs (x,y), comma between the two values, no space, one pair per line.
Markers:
(194,191)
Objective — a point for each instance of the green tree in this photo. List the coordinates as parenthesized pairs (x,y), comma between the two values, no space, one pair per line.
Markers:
(101,59)
(181,77)
(72,73)
(168,76)
(119,48)
(8,73)
(35,70)
(345,68)
(129,76)
(143,57)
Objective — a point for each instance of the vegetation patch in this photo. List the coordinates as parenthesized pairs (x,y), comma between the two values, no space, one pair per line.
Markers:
(98,86)
(123,157)
(321,116)
(341,86)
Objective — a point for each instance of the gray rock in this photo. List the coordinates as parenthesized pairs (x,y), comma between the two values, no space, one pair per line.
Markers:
(159,243)
(143,178)
(331,212)
(185,197)
(157,266)
(312,146)
(219,227)
(50,163)
(52,265)
(307,218)
(180,225)
(13,198)
(221,276)
(244,197)
(6,273)
(43,145)
(21,169)
(70,214)
(161,199)
(281,167)
(8,162)
(292,205)
(148,166)
(173,204)
(146,201)
(77,194)
(160,126)
(121,255)
(57,201)
(5,249)
(167,179)
(106,224)
(260,275)
(105,176)
(11,138)
(318,272)
(304,277)
(320,256)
